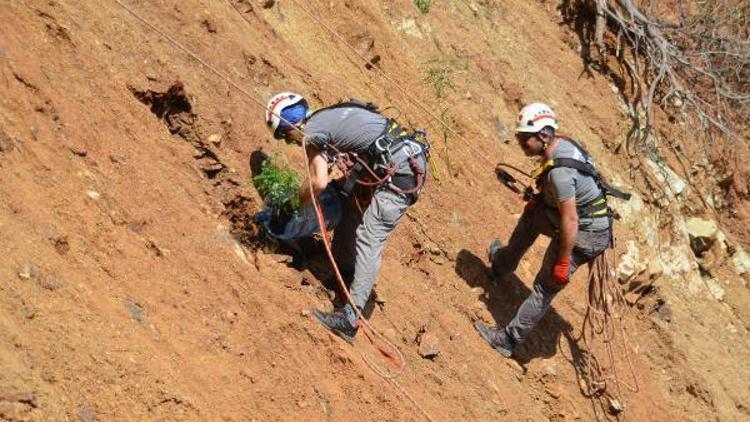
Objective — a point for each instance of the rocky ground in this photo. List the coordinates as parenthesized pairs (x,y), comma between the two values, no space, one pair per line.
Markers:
(132,286)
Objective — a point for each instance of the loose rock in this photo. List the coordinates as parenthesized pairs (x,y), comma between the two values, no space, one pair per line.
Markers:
(215,139)
(702,234)
(27,272)
(741,261)
(94,195)
(78,150)
(429,344)
(136,311)
(615,407)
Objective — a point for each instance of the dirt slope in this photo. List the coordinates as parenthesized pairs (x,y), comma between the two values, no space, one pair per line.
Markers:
(126,292)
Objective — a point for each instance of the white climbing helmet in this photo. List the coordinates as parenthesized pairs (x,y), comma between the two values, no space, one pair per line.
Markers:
(534,117)
(277,104)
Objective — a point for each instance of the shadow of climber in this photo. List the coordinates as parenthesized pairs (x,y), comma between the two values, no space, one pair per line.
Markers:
(503,297)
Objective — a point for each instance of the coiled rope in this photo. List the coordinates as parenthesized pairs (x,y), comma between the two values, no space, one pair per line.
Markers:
(603,335)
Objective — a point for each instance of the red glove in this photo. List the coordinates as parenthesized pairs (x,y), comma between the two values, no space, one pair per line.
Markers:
(561,271)
(531,203)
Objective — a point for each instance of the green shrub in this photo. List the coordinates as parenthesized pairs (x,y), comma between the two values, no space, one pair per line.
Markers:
(423,6)
(279,187)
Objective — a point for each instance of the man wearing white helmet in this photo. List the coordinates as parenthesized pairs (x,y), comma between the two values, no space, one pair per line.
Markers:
(570,208)
(379,147)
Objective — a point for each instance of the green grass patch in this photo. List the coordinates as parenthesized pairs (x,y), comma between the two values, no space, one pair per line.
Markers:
(441,72)
(424,6)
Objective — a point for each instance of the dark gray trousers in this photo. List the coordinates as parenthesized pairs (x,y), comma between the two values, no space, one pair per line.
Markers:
(358,240)
(533,222)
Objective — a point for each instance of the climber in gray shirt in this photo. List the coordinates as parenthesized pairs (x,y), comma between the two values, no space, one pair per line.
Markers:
(570,208)
(358,129)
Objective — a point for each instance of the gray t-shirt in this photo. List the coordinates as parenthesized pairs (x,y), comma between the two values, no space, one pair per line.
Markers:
(563,183)
(349,129)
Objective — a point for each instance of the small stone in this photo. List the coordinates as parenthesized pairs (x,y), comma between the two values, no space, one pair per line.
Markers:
(136,311)
(267,4)
(429,344)
(553,392)
(631,263)
(702,234)
(78,150)
(304,313)
(215,139)
(209,25)
(615,407)
(94,195)
(27,272)
(741,261)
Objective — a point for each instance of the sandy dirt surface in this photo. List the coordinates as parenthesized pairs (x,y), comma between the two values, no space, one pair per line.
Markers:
(130,284)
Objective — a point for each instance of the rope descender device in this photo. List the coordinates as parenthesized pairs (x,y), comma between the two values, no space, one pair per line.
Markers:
(512,183)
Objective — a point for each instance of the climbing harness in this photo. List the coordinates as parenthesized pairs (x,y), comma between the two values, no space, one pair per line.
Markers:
(598,207)
(379,165)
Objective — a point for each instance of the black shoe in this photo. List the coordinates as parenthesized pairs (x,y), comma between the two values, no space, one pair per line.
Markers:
(497,338)
(343,323)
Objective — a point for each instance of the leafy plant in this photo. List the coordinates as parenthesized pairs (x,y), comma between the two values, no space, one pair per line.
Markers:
(423,5)
(441,78)
(279,187)
(441,71)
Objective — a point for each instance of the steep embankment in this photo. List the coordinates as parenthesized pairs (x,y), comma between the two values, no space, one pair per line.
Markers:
(128,290)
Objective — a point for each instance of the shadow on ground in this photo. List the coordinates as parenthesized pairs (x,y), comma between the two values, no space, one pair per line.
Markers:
(503,296)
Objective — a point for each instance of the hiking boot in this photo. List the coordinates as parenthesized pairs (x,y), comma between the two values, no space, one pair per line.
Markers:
(342,322)
(496,337)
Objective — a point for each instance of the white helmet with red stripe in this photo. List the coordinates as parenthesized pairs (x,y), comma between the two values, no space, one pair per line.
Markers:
(277,104)
(534,117)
